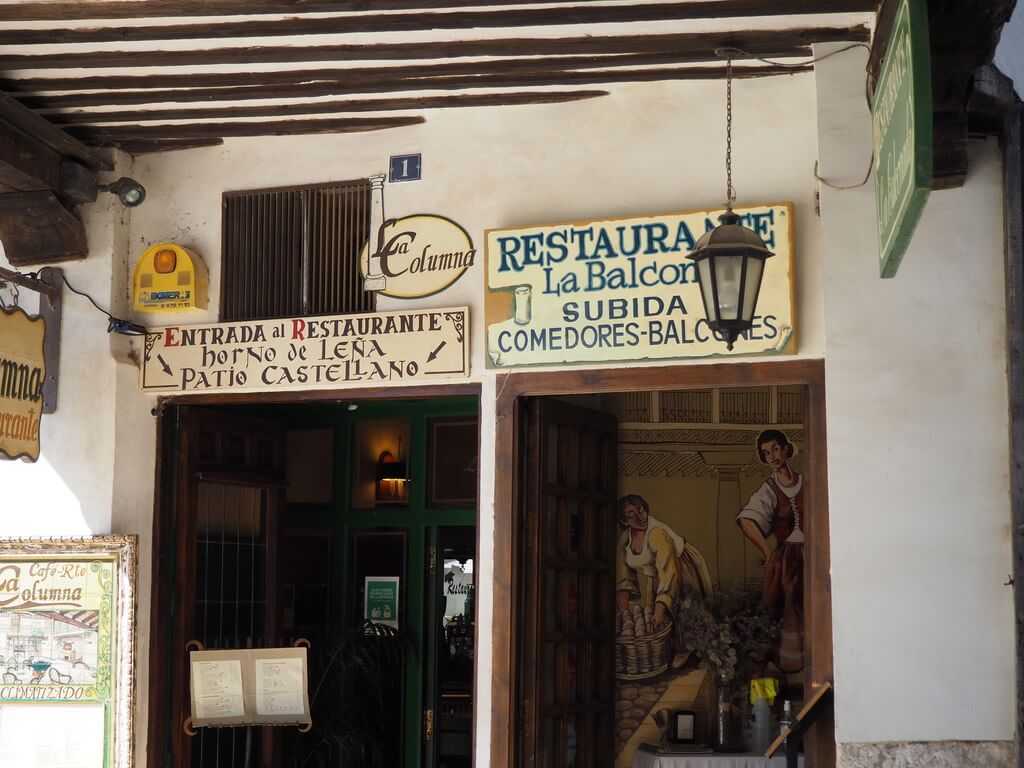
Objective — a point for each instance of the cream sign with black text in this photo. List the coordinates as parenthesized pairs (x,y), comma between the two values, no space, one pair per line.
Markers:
(420,255)
(22,373)
(624,289)
(322,352)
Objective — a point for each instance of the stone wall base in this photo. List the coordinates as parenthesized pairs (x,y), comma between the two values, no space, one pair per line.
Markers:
(927,754)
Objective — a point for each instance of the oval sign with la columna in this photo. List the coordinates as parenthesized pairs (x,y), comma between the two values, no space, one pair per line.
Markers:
(418,255)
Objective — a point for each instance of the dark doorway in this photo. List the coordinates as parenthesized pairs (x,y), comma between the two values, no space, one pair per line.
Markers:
(272,521)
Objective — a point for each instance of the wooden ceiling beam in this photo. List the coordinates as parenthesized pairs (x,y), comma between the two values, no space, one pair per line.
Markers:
(37,224)
(414,22)
(503,99)
(142,147)
(693,44)
(15,116)
(36,228)
(160,81)
(154,9)
(112,136)
(25,163)
(379,85)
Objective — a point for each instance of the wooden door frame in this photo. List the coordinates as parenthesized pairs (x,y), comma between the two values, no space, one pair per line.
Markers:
(168,487)
(507,501)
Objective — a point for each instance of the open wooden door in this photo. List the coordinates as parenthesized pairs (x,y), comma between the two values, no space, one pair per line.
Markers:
(222,488)
(567,572)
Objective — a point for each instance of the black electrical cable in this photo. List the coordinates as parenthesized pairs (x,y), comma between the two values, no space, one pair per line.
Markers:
(738,53)
(114,324)
(733,53)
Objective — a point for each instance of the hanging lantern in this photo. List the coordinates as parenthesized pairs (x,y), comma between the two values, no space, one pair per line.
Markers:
(730,263)
(730,258)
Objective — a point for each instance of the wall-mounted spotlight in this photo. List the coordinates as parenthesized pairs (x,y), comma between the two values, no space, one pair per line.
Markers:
(78,185)
(128,191)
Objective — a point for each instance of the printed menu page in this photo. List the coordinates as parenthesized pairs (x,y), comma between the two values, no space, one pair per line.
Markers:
(279,687)
(217,689)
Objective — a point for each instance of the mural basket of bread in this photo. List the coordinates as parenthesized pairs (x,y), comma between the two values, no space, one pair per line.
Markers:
(653,565)
(642,649)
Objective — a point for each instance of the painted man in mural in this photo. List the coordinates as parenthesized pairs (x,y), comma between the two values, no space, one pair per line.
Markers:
(777,509)
(654,564)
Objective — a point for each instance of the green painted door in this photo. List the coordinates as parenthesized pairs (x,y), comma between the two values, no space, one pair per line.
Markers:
(426,540)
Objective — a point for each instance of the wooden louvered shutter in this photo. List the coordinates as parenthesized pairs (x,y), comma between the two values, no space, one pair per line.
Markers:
(294,251)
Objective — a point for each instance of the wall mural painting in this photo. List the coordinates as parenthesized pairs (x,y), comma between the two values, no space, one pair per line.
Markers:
(709,581)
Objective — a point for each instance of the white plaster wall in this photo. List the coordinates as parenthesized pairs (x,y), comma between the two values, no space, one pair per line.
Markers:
(97,451)
(644,149)
(917,447)
(916,403)
(68,491)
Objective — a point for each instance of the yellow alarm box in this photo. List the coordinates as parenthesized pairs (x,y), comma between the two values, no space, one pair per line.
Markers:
(170,278)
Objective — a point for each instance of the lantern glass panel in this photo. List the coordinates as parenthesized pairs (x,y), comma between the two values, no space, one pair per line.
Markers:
(704,272)
(754,269)
(728,273)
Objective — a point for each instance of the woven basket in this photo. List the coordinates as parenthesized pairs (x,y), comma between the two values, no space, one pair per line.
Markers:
(638,658)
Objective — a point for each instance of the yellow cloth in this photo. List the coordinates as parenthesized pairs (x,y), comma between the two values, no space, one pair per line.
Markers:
(764,688)
(653,573)
(665,564)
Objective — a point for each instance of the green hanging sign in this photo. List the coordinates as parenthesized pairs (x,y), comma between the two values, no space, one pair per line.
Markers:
(902,117)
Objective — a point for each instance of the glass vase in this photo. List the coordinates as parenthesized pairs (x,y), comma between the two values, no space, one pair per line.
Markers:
(730,735)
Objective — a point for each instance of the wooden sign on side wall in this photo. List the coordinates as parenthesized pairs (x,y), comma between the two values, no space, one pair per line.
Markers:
(22,373)
(901,115)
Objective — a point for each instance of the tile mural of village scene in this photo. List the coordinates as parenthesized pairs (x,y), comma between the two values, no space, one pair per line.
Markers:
(709,551)
(49,647)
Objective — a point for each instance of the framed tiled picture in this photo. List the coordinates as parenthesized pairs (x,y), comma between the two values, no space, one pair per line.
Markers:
(67,652)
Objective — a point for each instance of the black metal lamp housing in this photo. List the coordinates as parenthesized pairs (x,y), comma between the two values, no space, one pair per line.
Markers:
(128,191)
(730,263)
(392,480)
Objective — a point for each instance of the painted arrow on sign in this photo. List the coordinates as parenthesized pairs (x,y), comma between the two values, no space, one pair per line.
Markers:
(433,355)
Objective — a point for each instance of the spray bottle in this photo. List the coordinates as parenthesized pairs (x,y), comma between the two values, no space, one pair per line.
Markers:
(762,695)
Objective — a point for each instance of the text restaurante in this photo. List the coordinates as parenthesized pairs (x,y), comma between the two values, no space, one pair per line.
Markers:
(302,329)
(545,247)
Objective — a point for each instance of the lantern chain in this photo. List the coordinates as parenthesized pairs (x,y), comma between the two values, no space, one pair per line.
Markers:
(730,193)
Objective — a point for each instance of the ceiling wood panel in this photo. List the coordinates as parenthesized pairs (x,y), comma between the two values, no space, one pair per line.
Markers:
(145,146)
(113,135)
(379,85)
(154,9)
(151,75)
(521,66)
(417,22)
(688,47)
(502,99)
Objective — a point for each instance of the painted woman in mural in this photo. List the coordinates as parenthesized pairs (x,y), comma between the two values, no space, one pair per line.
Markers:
(777,509)
(654,563)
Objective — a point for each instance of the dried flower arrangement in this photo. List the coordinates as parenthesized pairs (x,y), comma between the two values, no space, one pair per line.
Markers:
(731,630)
